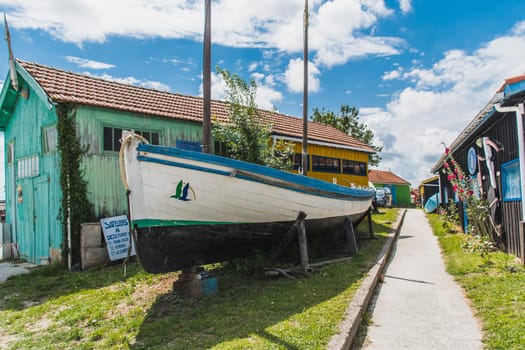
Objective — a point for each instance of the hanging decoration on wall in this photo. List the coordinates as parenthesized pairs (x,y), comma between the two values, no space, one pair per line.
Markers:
(472,161)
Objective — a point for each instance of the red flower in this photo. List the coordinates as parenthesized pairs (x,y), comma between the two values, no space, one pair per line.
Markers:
(460,176)
(446,165)
(447,150)
(451,176)
(470,192)
(455,187)
(461,190)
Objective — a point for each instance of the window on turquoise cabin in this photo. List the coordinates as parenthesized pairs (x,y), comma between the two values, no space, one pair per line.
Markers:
(28,167)
(352,167)
(326,164)
(112,138)
(10,152)
(49,139)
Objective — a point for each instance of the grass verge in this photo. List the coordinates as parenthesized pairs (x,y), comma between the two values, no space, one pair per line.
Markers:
(100,309)
(495,284)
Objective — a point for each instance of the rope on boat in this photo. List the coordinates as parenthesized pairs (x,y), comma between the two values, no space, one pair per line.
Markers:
(125,142)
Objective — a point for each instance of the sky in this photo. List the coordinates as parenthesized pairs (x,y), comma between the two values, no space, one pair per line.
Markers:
(417,70)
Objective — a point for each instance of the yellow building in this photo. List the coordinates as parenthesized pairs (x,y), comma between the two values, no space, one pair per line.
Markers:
(333,156)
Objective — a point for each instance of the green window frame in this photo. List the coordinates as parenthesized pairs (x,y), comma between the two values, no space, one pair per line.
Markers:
(10,152)
(49,139)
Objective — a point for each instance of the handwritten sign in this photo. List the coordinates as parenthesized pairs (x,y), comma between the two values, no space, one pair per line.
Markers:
(116,234)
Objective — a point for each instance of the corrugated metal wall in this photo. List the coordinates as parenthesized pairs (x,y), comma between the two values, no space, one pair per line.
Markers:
(101,167)
(32,181)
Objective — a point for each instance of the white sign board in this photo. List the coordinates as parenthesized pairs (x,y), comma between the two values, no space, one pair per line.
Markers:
(116,234)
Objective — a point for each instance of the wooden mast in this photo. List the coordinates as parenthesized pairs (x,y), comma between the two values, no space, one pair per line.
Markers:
(12,68)
(206,76)
(304,157)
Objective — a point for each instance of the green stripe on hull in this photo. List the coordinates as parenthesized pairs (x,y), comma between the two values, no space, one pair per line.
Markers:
(159,223)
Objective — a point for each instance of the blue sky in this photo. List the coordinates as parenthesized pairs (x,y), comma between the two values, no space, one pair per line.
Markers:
(418,70)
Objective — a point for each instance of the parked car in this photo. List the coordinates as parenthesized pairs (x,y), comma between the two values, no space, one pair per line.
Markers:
(384,197)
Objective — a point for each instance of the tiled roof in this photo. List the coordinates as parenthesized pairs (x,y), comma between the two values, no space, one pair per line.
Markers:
(63,86)
(385,177)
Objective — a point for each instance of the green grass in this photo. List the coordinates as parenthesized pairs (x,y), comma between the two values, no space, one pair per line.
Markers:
(495,285)
(100,309)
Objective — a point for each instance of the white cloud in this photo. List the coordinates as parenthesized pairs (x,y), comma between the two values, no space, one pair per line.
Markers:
(85,63)
(405,6)
(519,28)
(336,26)
(265,98)
(294,76)
(440,102)
(395,74)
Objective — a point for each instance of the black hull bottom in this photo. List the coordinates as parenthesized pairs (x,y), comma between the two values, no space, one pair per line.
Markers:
(165,249)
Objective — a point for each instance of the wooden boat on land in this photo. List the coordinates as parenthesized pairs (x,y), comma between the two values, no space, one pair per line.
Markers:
(190,208)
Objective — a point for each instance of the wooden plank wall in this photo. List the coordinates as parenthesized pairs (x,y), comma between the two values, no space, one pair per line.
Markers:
(502,130)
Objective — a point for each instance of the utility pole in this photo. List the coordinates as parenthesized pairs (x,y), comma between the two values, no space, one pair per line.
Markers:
(206,76)
(304,156)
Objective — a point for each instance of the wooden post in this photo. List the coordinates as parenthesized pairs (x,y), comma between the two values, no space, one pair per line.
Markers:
(304,154)
(206,84)
(287,237)
(303,246)
(522,241)
(350,236)
(370,225)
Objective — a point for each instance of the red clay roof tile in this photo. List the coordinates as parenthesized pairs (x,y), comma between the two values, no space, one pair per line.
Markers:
(385,177)
(63,86)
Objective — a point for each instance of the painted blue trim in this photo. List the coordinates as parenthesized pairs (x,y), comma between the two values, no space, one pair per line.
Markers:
(189,145)
(504,183)
(182,165)
(512,89)
(254,172)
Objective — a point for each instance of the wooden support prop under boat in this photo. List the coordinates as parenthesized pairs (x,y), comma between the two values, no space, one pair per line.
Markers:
(298,228)
(370,224)
(285,241)
(350,236)
(303,248)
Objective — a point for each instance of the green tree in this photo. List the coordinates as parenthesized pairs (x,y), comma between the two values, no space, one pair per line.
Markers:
(246,136)
(348,121)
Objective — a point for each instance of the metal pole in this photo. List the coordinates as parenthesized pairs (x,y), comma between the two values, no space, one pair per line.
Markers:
(304,156)
(206,76)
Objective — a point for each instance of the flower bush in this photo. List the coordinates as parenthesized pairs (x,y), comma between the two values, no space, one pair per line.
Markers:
(478,214)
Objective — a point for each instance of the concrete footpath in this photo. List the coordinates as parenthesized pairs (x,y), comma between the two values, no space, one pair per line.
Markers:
(419,305)
(8,269)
